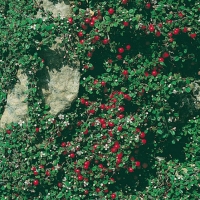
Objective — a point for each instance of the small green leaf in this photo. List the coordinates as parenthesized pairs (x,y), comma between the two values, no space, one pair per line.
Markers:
(187,89)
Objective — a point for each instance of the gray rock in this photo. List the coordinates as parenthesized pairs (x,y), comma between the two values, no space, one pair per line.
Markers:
(59,83)
(195,86)
(61,7)
(16,109)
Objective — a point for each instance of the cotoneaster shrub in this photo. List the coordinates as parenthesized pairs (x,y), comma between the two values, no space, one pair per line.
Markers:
(134,128)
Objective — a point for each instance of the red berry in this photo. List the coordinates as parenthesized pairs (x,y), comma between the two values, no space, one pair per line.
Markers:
(85,132)
(132,158)
(35,173)
(104,126)
(125,72)
(105,41)
(142,135)
(63,144)
(86,167)
(121,50)
(137,163)
(110,133)
(169,21)
(119,57)
(126,96)
(119,128)
(171,40)
(121,109)
(36,182)
(154,73)
(79,123)
(86,192)
(78,171)
(111,124)
(84,27)
(87,103)
(80,177)
(72,155)
(143,27)
(160,25)
(92,111)
(113,196)
(103,83)
(116,145)
(87,163)
(82,100)
(102,106)
(148,6)
(89,54)
(119,155)
(111,11)
(125,23)
(110,61)
(100,166)
(130,169)
(94,18)
(106,191)
(96,37)
(146,74)
(87,20)
(8,131)
(120,116)
(165,55)
(41,166)
(170,34)
(113,150)
(70,20)
(180,14)
(124,2)
(37,129)
(161,59)
(59,185)
(80,34)
(158,33)
(102,121)
(96,81)
(137,130)
(185,30)
(176,31)
(193,35)
(47,173)
(86,67)
(144,141)
(33,168)
(81,41)
(92,24)
(128,47)
(151,28)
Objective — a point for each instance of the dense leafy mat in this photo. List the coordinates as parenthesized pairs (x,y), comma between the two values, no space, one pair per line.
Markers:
(133,132)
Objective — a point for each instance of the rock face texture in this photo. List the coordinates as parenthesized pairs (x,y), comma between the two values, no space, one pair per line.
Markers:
(57,6)
(16,109)
(58,82)
(195,86)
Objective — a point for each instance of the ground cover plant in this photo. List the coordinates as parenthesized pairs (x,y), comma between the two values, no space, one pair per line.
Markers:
(133,132)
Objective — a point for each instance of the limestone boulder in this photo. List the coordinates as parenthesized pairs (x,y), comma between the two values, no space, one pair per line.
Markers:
(16,108)
(195,86)
(58,81)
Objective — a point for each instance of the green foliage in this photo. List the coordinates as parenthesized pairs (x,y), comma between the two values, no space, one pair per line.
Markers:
(133,132)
